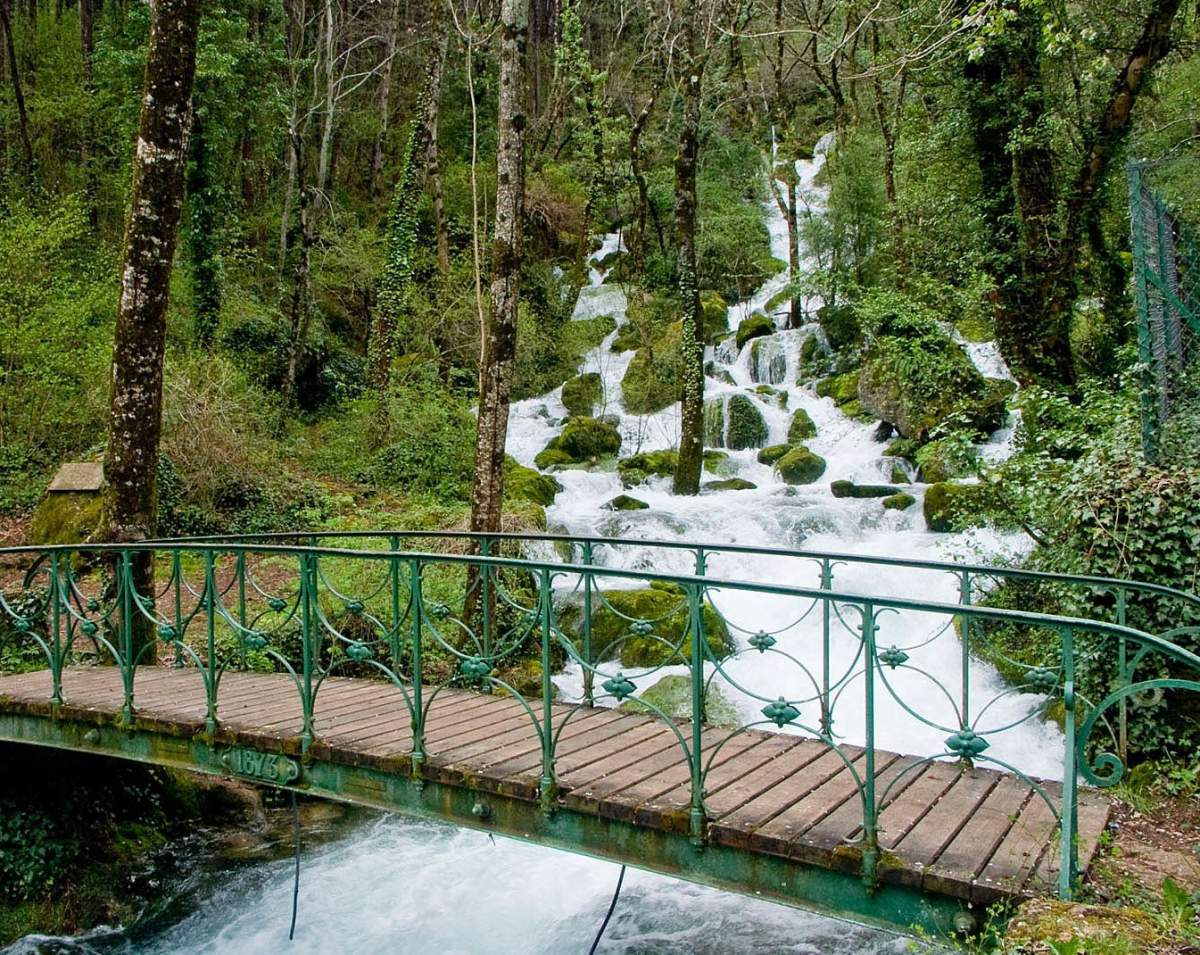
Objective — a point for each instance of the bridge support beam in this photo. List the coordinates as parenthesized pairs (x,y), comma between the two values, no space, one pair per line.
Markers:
(836,893)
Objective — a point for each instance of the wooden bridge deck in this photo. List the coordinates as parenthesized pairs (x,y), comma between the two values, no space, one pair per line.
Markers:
(974,835)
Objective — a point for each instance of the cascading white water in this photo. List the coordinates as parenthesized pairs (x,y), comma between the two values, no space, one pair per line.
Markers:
(400,886)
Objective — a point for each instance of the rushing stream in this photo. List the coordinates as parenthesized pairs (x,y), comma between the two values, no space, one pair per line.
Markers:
(393,885)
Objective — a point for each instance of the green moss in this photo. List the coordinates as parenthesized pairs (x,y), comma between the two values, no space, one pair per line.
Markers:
(638,467)
(552,456)
(582,394)
(730,484)
(665,608)
(951,507)
(944,459)
(746,428)
(899,502)
(800,466)
(766,391)
(755,326)
(526,484)
(623,502)
(714,422)
(840,324)
(715,319)
(66,518)
(802,427)
(841,388)
(773,452)
(850,489)
(975,329)
(899,475)
(585,438)
(652,380)
(672,694)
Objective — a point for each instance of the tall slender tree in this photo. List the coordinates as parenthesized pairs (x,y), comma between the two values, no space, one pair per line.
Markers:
(151,230)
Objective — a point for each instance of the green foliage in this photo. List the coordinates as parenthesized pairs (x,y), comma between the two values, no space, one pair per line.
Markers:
(582,394)
(651,381)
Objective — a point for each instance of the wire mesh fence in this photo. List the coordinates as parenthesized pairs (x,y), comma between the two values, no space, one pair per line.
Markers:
(1166,271)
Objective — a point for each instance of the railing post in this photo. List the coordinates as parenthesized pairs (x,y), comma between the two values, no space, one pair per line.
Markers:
(699,646)
(56,664)
(1069,865)
(485,594)
(126,597)
(826,611)
(210,634)
(589,678)
(177,594)
(870,836)
(418,706)
(964,600)
(1123,680)
(241,578)
(308,626)
(549,783)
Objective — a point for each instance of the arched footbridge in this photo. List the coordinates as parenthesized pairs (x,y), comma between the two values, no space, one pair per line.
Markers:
(876,738)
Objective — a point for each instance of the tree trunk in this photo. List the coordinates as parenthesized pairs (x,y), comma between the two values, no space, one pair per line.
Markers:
(18,95)
(500,331)
(383,97)
(691,432)
(644,208)
(396,282)
(433,173)
(87,43)
(151,230)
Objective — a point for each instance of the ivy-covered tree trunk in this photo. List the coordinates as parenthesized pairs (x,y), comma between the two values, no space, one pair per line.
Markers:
(691,429)
(500,329)
(151,230)
(395,287)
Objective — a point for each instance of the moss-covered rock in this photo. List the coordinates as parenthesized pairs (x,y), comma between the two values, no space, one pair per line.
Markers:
(768,360)
(951,507)
(754,326)
(652,380)
(582,440)
(526,484)
(773,452)
(801,427)
(66,517)
(672,695)
(665,608)
(623,502)
(916,377)
(730,484)
(800,466)
(840,324)
(975,329)
(945,459)
(714,422)
(746,427)
(902,448)
(767,392)
(813,359)
(841,388)
(715,315)
(850,489)
(899,475)
(899,502)
(582,393)
(636,468)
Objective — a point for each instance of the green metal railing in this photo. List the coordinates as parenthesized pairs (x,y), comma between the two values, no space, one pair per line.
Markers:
(389,605)
(1166,271)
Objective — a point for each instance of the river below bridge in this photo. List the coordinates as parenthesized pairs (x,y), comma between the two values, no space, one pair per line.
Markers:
(390,885)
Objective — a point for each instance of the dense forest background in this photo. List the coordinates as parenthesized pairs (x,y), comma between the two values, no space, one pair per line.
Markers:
(330,301)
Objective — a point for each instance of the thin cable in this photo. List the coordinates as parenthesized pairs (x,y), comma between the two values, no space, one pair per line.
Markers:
(296,879)
(612,907)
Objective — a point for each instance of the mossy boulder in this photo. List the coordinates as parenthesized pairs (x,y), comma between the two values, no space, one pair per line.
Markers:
(899,502)
(526,484)
(801,427)
(715,318)
(745,427)
(800,466)
(766,392)
(950,507)
(945,459)
(730,484)
(899,475)
(975,329)
(665,608)
(814,360)
(672,695)
(916,377)
(841,388)
(850,489)
(582,440)
(840,324)
(66,518)
(582,394)
(755,326)
(623,502)
(652,380)
(768,360)
(773,452)
(636,468)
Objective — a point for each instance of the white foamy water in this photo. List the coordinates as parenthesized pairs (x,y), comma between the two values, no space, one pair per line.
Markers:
(402,886)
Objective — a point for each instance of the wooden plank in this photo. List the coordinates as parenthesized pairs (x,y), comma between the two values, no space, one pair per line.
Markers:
(725,799)
(578,767)
(1013,862)
(902,813)
(844,825)
(924,842)
(625,761)
(968,853)
(501,762)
